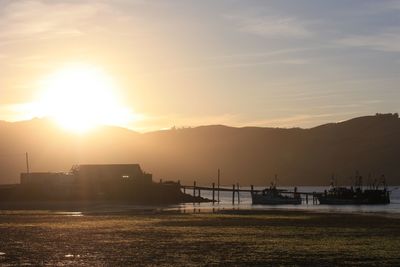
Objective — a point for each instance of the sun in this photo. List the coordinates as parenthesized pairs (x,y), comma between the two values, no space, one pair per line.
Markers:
(81,97)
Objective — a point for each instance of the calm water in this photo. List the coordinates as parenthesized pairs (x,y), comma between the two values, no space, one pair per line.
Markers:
(225,204)
(245,203)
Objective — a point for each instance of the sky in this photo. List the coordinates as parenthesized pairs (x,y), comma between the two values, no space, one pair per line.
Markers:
(188,63)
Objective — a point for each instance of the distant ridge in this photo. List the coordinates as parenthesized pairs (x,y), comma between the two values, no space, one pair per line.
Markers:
(248,155)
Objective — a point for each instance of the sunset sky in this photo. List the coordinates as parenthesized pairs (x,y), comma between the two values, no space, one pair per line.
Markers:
(150,65)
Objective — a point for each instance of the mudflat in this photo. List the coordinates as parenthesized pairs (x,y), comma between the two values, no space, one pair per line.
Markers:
(232,238)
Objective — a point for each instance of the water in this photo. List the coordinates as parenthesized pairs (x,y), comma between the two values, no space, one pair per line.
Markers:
(224,204)
(245,203)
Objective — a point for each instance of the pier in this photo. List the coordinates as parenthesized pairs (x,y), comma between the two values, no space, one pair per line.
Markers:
(235,189)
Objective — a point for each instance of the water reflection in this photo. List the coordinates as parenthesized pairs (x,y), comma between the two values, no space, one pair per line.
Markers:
(72,256)
(70,213)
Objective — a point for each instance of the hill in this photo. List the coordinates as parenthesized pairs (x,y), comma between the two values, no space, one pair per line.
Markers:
(248,155)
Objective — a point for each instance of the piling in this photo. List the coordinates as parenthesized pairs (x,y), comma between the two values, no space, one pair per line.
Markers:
(251,189)
(238,193)
(194,189)
(219,174)
(213,193)
(233,194)
(307,199)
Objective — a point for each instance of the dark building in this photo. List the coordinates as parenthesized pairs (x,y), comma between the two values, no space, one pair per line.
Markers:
(105,173)
(89,174)
(47,178)
(96,182)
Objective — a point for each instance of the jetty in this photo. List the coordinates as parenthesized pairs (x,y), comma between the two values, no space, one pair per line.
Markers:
(235,190)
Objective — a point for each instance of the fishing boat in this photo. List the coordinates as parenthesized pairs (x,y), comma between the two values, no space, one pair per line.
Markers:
(275,196)
(377,193)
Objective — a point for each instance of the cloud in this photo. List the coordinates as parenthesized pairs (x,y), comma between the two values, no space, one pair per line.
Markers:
(37,20)
(384,6)
(388,41)
(273,53)
(15,112)
(272,26)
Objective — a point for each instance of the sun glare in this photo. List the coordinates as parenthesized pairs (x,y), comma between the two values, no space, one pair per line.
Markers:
(80,98)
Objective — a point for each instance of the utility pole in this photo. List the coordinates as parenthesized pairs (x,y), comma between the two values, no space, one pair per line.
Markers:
(27,162)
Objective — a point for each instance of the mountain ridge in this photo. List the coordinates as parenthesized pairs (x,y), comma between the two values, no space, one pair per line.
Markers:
(248,155)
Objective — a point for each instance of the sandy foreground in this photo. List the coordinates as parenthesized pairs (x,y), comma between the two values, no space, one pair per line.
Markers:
(231,238)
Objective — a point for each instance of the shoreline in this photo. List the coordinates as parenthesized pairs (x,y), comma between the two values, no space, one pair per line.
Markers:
(107,208)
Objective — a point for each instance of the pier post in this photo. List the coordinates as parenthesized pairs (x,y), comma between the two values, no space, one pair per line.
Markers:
(307,199)
(198,191)
(238,193)
(251,189)
(219,174)
(184,190)
(194,189)
(233,194)
(213,193)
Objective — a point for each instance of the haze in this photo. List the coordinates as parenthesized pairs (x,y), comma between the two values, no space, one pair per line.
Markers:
(189,63)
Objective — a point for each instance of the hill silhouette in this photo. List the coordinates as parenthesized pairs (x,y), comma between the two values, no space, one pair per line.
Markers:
(248,155)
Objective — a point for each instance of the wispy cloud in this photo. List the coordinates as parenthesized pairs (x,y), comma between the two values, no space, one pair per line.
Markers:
(16,112)
(273,53)
(272,26)
(388,41)
(231,65)
(384,6)
(38,20)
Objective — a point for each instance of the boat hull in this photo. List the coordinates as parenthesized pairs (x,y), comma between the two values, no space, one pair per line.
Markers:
(328,200)
(267,200)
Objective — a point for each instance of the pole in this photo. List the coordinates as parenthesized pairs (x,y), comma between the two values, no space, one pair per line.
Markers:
(213,193)
(199,195)
(27,162)
(194,189)
(238,193)
(233,194)
(219,174)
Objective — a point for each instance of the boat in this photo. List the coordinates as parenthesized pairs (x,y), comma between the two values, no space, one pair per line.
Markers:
(275,196)
(356,196)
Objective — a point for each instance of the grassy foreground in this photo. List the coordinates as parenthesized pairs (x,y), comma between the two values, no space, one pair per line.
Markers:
(232,238)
